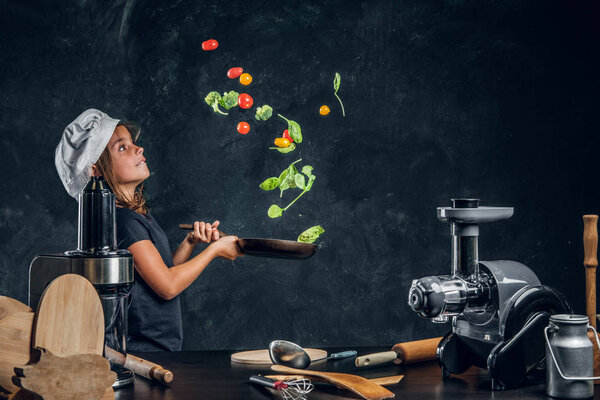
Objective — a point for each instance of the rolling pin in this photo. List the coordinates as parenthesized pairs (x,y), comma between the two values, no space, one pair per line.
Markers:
(402,353)
(139,366)
(590,261)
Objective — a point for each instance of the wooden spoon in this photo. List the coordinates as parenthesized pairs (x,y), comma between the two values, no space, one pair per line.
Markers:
(356,384)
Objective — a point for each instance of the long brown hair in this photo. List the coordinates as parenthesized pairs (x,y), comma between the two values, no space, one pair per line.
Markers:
(105,168)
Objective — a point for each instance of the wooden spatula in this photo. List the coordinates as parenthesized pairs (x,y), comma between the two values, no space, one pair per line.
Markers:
(69,318)
(383,381)
(356,384)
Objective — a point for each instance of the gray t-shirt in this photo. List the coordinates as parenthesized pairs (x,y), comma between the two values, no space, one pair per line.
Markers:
(154,324)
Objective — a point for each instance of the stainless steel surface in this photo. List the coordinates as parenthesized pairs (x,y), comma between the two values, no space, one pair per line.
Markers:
(100,271)
(289,354)
(474,215)
(569,357)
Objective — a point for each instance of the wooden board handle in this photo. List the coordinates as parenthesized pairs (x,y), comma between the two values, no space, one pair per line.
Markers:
(590,261)
(416,351)
(375,359)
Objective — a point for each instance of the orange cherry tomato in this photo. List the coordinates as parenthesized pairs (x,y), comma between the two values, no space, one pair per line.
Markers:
(324,110)
(234,72)
(210,44)
(243,127)
(245,79)
(287,136)
(282,142)
(245,101)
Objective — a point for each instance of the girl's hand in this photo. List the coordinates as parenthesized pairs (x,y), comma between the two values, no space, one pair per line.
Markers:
(203,233)
(227,247)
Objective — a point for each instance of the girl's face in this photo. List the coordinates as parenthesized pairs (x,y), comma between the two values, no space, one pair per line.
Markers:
(128,161)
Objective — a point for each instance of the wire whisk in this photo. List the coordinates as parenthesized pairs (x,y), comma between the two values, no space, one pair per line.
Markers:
(292,389)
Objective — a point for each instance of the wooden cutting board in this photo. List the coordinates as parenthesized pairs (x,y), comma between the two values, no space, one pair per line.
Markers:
(62,378)
(69,318)
(10,306)
(261,357)
(15,346)
(356,384)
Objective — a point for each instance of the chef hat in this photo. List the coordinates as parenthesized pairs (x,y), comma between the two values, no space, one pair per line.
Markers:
(81,144)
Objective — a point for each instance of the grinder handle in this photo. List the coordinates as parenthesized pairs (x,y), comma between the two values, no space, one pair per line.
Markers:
(590,261)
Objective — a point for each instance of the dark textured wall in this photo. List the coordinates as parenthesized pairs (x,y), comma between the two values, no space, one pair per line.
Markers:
(497,100)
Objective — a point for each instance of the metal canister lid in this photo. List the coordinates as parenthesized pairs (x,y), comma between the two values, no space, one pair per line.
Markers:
(569,319)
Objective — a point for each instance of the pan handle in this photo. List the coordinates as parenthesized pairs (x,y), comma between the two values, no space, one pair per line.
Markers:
(191,227)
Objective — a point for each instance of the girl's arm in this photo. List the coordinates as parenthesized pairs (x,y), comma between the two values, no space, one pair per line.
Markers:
(170,282)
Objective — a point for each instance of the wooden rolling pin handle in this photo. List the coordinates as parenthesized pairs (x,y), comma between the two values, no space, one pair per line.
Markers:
(375,359)
(417,351)
(139,366)
(590,261)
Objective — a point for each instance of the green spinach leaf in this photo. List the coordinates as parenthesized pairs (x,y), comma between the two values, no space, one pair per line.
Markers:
(270,184)
(311,234)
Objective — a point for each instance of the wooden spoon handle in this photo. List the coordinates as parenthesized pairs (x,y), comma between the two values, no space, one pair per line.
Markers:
(590,261)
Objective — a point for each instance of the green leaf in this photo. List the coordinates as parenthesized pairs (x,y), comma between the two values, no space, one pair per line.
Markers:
(300,181)
(229,99)
(270,184)
(294,131)
(275,211)
(307,170)
(288,149)
(336,82)
(263,113)
(311,234)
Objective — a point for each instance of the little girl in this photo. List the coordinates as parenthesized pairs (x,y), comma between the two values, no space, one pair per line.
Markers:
(95,144)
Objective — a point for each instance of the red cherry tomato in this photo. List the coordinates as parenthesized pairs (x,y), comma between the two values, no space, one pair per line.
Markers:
(234,72)
(245,101)
(210,44)
(243,127)
(287,136)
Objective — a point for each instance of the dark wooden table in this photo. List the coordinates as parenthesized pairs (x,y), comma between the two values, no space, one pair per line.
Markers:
(211,375)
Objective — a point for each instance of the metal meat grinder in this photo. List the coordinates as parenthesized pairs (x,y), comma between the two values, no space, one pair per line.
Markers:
(96,258)
(499,309)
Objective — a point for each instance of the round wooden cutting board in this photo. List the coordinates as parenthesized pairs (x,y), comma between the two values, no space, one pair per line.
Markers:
(69,318)
(261,357)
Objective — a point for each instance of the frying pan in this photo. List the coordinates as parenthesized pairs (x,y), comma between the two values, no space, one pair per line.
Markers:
(275,248)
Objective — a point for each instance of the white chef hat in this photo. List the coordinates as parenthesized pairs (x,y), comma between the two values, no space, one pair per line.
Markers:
(82,142)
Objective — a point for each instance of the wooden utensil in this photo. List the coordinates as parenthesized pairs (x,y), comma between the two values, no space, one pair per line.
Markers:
(69,318)
(261,357)
(590,261)
(356,384)
(274,248)
(402,353)
(10,306)
(61,378)
(139,366)
(15,346)
(383,381)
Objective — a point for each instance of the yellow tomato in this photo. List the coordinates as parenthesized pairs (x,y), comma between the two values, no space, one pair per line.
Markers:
(282,142)
(324,110)
(245,79)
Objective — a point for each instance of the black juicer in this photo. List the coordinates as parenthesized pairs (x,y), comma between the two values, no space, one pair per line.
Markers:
(499,309)
(96,258)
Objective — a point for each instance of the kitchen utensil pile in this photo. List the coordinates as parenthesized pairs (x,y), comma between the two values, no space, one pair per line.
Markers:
(61,344)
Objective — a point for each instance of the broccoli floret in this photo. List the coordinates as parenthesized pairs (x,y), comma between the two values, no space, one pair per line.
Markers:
(263,113)
(212,99)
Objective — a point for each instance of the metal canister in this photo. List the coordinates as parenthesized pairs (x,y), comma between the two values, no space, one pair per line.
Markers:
(569,357)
